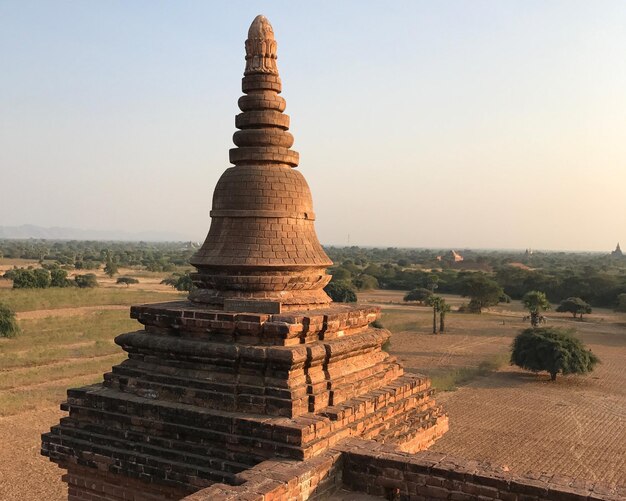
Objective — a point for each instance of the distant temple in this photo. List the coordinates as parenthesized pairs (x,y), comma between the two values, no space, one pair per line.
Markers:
(617,252)
(450,257)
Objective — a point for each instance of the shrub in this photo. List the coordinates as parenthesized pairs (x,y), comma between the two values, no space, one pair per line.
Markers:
(552,350)
(420,295)
(58,278)
(86,281)
(377,324)
(341,292)
(30,278)
(127,281)
(8,323)
(621,302)
(386,346)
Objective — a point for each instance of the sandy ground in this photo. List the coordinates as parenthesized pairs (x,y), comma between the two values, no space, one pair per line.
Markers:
(575,427)
(25,475)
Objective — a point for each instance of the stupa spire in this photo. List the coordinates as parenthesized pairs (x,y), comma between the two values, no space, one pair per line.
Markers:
(262,243)
(263,136)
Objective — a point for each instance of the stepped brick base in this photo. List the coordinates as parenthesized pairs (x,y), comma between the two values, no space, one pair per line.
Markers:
(205,395)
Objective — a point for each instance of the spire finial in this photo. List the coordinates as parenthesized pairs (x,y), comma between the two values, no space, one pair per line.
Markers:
(261,48)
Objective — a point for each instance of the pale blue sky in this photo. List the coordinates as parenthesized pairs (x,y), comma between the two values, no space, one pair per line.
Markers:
(428,124)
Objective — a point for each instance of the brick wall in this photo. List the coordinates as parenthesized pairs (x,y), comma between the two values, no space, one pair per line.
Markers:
(384,471)
(361,466)
(281,480)
(381,470)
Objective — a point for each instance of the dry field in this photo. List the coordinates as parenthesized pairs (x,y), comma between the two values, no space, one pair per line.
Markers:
(66,341)
(576,426)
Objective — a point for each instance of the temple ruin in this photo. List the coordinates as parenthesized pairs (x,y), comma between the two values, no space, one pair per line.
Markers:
(258,387)
(258,364)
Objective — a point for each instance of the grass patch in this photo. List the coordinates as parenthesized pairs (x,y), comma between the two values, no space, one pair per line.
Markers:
(450,379)
(20,377)
(53,339)
(55,353)
(398,320)
(16,401)
(46,299)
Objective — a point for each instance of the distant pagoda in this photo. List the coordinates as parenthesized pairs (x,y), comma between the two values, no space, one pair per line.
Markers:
(617,252)
(258,364)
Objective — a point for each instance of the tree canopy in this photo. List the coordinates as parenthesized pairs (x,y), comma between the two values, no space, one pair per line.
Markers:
(111,268)
(575,306)
(180,281)
(552,350)
(341,292)
(86,281)
(482,291)
(536,302)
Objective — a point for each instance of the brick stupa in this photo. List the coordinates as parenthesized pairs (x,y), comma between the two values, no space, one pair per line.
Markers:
(258,364)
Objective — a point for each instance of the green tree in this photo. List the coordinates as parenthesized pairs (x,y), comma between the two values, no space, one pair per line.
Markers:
(621,302)
(575,306)
(127,281)
(552,350)
(58,278)
(111,268)
(482,291)
(536,302)
(341,292)
(181,282)
(31,279)
(23,279)
(86,281)
(8,322)
(365,282)
(341,274)
(420,295)
(42,278)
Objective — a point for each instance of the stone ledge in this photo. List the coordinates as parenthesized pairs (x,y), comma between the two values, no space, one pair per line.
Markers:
(286,328)
(381,469)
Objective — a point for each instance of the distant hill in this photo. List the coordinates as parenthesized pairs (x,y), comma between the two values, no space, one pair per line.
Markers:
(55,233)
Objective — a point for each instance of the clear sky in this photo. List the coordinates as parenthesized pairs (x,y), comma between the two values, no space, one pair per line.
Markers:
(488,124)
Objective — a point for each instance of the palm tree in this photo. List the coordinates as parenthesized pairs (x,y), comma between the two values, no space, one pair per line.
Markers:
(436,302)
(536,302)
(443,309)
